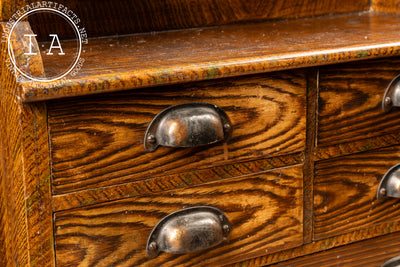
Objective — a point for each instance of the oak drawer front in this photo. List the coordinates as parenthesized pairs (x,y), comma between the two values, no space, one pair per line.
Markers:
(98,141)
(350,101)
(372,252)
(265,211)
(345,193)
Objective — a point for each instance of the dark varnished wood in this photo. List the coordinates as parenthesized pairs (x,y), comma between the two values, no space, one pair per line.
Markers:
(267,114)
(373,252)
(350,102)
(345,192)
(107,17)
(181,180)
(265,211)
(143,60)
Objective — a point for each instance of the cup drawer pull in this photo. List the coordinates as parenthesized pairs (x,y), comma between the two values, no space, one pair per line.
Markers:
(390,184)
(188,230)
(393,262)
(391,97)
(188,125)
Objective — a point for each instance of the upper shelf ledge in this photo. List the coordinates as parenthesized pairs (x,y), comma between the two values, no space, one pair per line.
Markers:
(143,60)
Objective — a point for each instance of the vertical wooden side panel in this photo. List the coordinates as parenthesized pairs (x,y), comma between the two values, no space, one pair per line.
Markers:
(37,184)
(12,194)
(25,177)
(3,209)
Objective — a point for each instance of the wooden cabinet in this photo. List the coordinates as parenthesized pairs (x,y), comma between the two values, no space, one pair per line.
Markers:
(302,83)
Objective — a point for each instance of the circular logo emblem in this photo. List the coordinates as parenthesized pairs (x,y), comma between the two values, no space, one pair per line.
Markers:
(45,42)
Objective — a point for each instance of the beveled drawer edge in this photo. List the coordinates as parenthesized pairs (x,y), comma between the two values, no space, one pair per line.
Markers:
(358,253)
(322,245)
(168,182)
(259,224)
(359,146)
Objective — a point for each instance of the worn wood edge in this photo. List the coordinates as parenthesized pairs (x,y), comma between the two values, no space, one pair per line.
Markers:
(34,91)
(27,139)
(308,167)
(4,251)
(14,231)
(359,146)
(35,145)
(370,252)
(321,245)
(163,183)
(38,184)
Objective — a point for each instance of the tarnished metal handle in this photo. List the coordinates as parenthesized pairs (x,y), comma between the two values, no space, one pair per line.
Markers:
(188,125)
(393,262)
(188,230)
(391,97)
(390,184)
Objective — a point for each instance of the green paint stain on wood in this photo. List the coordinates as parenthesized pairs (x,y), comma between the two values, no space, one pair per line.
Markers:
(211,72)
(45,181)
(189,178)
(314,59)
(87,201)
(273,63)
(368,146)
(363,53)
(30,202)
(131,194)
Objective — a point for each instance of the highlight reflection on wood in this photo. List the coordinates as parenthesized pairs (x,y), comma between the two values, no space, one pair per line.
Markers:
(265,211)
(151,59)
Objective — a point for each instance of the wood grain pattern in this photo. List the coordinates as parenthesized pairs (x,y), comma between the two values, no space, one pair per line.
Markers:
(373,252)
(143,60)
(195,177)
(267,114)
(13,214)
(345,193)
(312,87)
(358,146)
(37,185)
(107,17)
(264,209)
(350,98)
(25,178)
(8,7)
(386,6)
(321,245)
